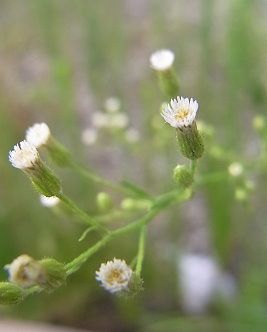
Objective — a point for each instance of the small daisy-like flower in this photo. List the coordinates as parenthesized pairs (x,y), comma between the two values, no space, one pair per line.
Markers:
(114,275)
(162,60)
(24,155)
(180,112)
(25,271)
(235,169)
(38,134)
(49,201)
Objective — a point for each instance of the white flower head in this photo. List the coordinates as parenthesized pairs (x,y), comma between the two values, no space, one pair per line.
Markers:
(49,201)
(24,155)
(198,277)
(114,275)
(25,271)
(180,112)
(162,59)
(38,134)
(100,119)
(112,104)
(235,169)
(89,136)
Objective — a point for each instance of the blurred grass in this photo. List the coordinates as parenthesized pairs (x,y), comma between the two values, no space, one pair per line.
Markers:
(220,49)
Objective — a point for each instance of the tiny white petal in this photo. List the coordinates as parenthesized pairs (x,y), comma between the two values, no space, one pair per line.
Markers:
(38,134)
(49,201)
(114,275)
(24,155)
(162,59)
(180,112)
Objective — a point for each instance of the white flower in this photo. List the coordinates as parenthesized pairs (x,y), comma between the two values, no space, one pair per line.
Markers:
(119,120)
(49,201)
(89,136)
(162,59)
(114,275)
(198,278)
(235,169)
(112,104)
(100,119)
(180,112)
(38,134)
(24,155)
(25,271)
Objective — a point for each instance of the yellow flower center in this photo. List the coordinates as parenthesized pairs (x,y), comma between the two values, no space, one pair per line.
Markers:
(181,114)
(115,276)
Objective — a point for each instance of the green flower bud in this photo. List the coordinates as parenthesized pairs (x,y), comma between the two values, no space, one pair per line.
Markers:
(58,153)
(103,201)
(10,293)
(130,204)
(44,180)
(259,123)
(183,176)
(55,273)
(190,142)
(162,62)
(241,194)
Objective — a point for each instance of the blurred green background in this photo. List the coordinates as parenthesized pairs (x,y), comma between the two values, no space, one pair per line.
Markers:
(59,61)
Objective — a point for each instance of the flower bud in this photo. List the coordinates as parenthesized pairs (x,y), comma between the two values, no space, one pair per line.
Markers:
(241,194)
(130,204)
(10,293)
(58,153)
(235,169)
(55,273)
(190,142)
(259,123)
(183,176)
(39,135)
(162,62)
(25,272)
(104,202)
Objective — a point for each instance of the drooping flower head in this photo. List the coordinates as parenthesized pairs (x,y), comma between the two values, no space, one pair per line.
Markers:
(25,271)
(38,134)
(24,155)
(162,60)
(180,112)
(114,275)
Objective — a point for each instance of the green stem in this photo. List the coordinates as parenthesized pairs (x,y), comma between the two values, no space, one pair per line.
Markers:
(81,214)
(193,165)
(141,250)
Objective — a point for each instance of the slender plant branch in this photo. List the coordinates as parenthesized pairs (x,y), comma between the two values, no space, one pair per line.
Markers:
(141,250)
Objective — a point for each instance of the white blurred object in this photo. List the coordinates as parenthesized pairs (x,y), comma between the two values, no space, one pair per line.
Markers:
(132,135)
(100,119)
(162,60)
(89,136)
(49,201)
(112,104)
(119,120)
(198,276)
